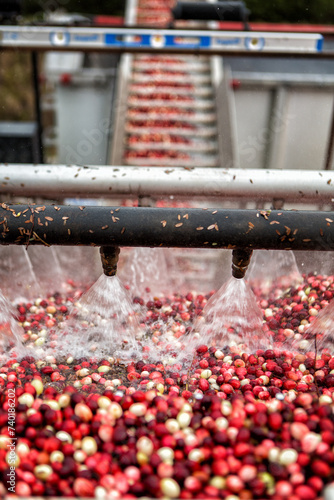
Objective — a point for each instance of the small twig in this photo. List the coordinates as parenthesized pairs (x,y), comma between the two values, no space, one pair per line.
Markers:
(32,218)
(40,239)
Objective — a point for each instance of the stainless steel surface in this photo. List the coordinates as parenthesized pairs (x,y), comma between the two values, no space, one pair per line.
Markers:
(283,111)
(240,184)
(226,120)
(84,117)
(116,148)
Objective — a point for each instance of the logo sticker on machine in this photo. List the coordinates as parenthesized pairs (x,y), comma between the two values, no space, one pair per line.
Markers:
(157,41)
(254,43)
(226,42)
(60,38)
(188,41)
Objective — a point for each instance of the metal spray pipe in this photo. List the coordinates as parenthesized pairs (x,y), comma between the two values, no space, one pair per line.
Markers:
(166,227)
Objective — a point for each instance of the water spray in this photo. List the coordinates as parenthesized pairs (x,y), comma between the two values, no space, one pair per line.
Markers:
(109,259)
(240,262)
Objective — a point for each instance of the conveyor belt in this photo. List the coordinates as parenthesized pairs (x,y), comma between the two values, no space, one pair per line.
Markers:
(171,122)
(171,117)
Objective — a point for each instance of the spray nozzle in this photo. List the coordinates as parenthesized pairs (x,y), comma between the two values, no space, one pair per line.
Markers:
(109,259)
(240,261)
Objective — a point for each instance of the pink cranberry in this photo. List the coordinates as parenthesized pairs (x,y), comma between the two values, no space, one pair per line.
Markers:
(83,487)
(305,492)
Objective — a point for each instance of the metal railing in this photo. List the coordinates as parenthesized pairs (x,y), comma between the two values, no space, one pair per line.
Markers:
(61,181)
(162,40)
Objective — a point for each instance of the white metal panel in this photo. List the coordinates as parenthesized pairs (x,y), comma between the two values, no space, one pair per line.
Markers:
(252,114)
(306,129)
(56,63)
(83,122)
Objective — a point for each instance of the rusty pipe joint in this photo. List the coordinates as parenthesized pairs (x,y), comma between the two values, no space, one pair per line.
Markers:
(240,262)
(109,259)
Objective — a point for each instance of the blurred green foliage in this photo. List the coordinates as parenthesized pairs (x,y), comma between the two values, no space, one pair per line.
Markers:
(291,11)
(16,97)
(37,7)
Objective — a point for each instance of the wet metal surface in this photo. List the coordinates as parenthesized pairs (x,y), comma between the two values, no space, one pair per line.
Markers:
(166,227)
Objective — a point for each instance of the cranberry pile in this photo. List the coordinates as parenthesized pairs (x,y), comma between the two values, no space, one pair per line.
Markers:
(160,124)
(160,110)
(236,425)
(159,96)
(156,154)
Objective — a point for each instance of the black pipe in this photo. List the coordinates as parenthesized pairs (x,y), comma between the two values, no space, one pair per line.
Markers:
(217,11)
(166,227)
